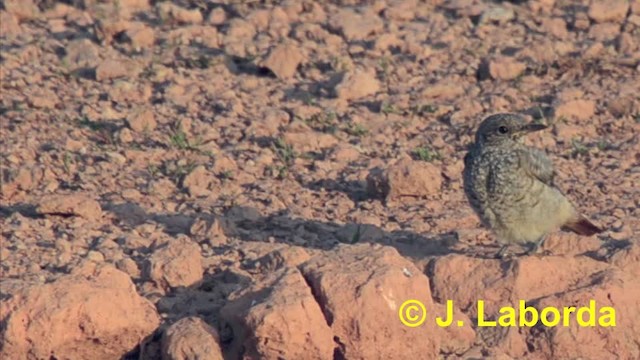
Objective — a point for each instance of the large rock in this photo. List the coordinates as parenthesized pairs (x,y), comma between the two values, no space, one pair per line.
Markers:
(615,289)
(361,290)
(80,316)
(191,338)
(540,282)
(465,280)
(343,303)
(278,318)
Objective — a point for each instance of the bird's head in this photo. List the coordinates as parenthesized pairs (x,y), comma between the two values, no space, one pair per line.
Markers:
(504,128)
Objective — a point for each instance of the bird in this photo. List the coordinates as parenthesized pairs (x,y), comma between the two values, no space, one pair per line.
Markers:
(510,186)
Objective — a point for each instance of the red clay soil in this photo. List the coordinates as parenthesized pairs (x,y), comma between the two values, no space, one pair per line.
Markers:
(274,179)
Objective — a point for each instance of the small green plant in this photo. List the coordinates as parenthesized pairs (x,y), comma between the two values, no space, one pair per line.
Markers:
(384,65)
(279,172)
(424,109)
(326,122)
(226,175)
(177,170)
(426,154)
(148,72)
(284,151)
(355,129)
(286,155)
(339,63)
(200,62)
(180,140)
(603,145)
(578,148)
(153,170)
(387,108)
(309,100)
(66,162)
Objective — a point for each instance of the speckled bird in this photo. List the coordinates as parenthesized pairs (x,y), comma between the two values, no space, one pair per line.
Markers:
(510,186)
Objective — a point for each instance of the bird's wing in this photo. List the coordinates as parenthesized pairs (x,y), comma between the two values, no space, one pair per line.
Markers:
(537,164)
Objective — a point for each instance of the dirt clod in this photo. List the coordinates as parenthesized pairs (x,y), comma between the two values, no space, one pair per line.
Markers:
(98,315)
(191,338)
(70,204)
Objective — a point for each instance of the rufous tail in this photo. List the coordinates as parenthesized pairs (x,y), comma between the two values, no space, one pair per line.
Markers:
(582,226)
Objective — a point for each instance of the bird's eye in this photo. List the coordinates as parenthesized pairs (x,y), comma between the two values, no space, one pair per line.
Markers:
(503,130)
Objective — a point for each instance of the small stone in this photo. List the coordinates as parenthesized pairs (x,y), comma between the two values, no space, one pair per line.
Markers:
(43,102)
(608,10)
(95,256)
(217,16)
(197,182)
(405,178)
(73,204)
(128,266)
(169,12)
(621,106)
(224,163)
(625,43)
(443,90)
(22,9)
(579,109)
(498,15)
(112,69)
(191,338)
(345,153)
(556,27)
(541,5)
(504,68)
(178,263)
(355,26)
(402,10)
(141,36)
(283,60)
(604,32)
(357,84)
(385,41)
(9,25)
(162,187)
(116,158)
(142,120)
(125,135)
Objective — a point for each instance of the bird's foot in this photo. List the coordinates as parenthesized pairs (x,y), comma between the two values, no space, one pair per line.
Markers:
(504,253)
(534,248)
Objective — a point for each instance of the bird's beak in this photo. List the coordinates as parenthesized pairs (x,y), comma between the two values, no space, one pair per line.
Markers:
(533,127)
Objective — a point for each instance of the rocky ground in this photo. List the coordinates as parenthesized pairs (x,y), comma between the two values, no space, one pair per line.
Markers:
(272,179)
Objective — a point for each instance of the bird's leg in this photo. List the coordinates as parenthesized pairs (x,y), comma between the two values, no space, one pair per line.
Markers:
(533,249)
(502,253)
